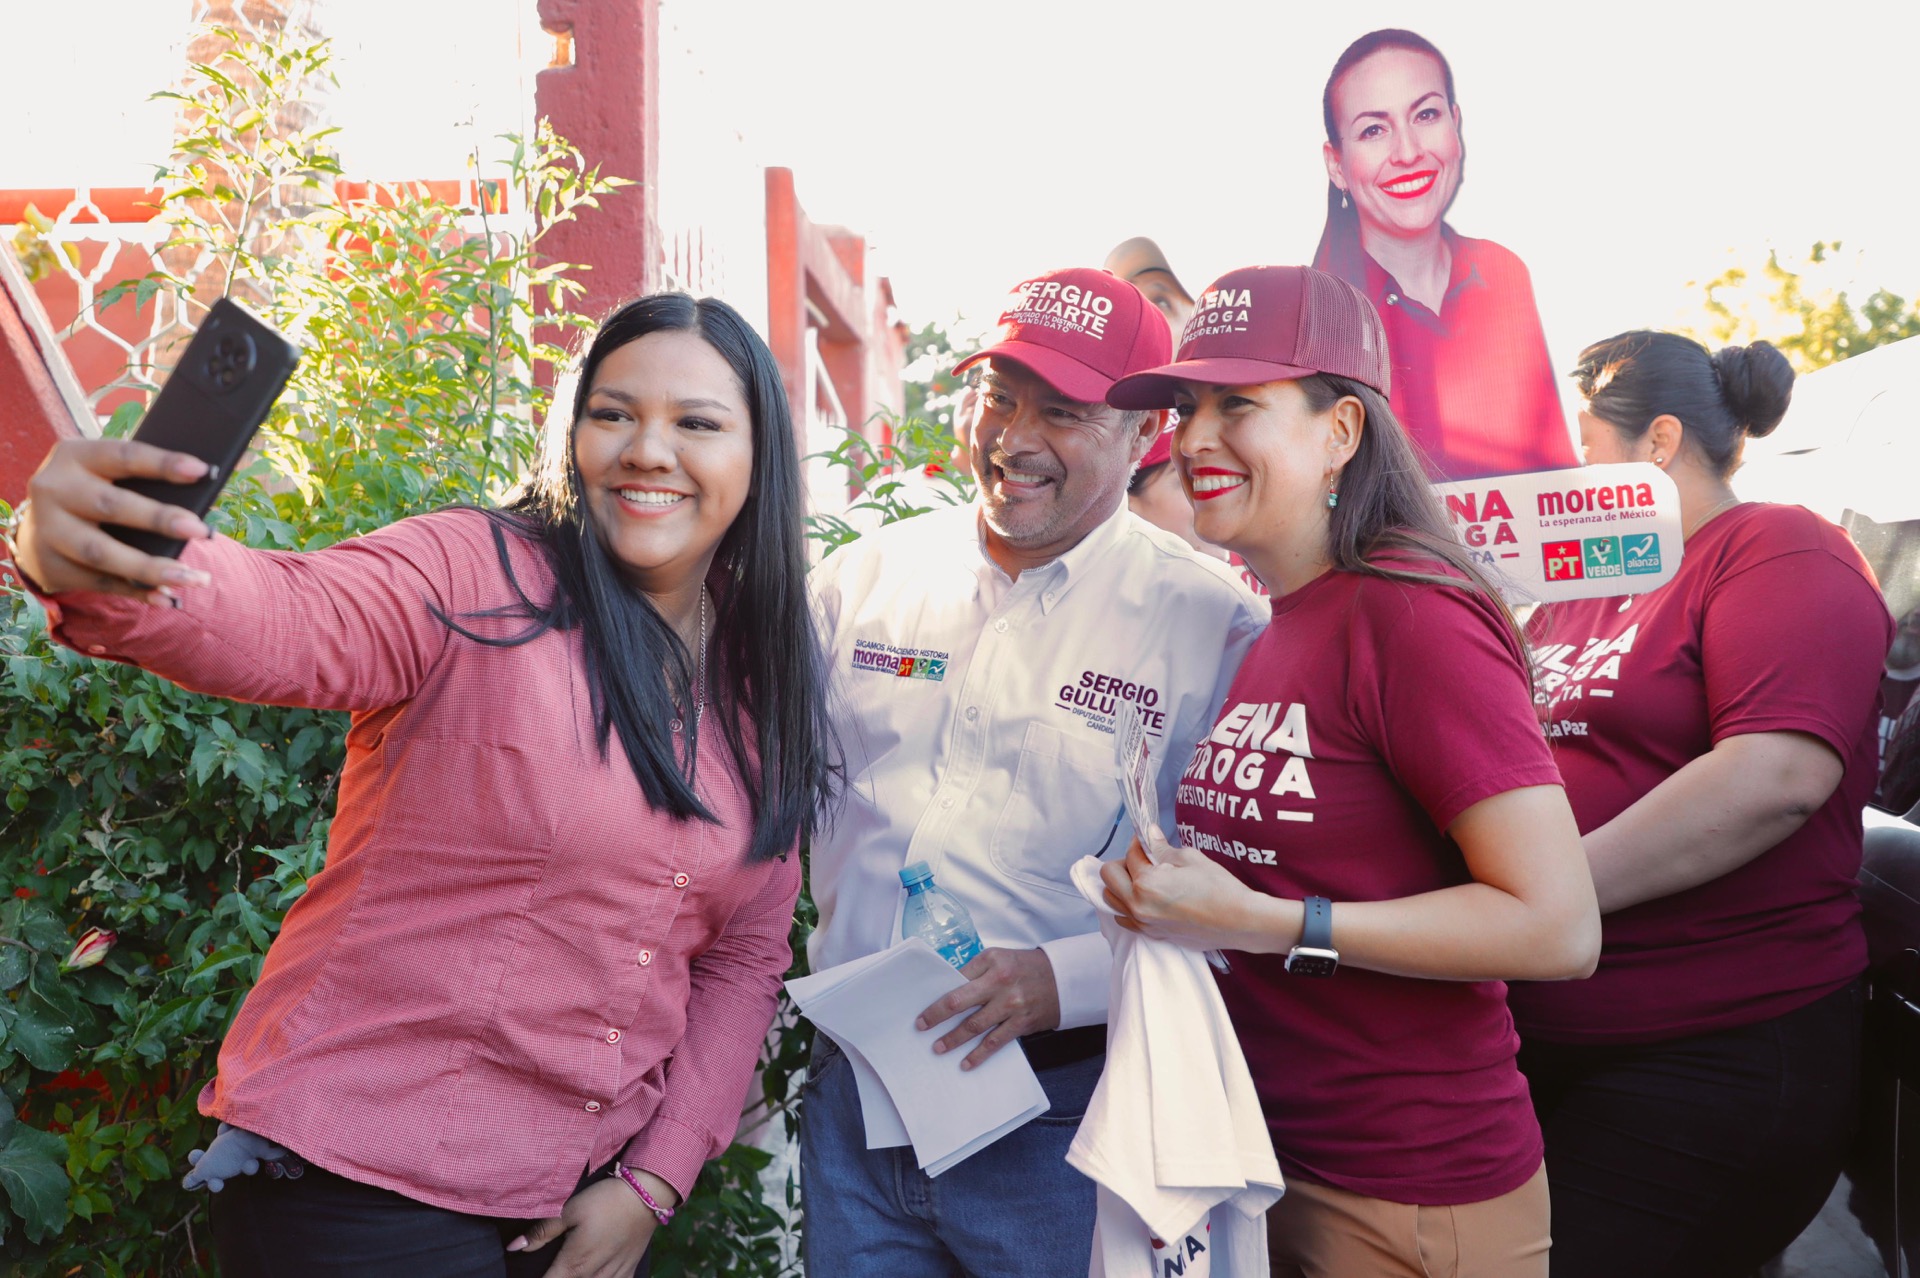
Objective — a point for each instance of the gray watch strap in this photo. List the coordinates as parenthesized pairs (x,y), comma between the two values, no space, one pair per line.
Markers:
(1317,934)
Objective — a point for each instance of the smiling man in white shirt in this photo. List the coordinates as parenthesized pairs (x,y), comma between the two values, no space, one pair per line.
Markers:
(981,654)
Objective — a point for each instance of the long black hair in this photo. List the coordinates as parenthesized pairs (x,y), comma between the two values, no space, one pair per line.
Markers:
(1339,252)
(1722,398)
(1388,511)
(765,666)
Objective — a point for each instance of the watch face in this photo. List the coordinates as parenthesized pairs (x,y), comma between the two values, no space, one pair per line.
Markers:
(1306,962)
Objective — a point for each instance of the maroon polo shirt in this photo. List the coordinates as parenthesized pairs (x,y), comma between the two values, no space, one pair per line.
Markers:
(1472,384)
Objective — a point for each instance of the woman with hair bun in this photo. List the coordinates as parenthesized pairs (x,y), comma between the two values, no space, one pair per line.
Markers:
(1717,737)
(1471,379)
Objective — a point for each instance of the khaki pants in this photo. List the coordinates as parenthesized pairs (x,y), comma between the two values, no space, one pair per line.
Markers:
(1317,1231)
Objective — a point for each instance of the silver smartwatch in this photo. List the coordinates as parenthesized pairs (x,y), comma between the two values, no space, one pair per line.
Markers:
(1315,955)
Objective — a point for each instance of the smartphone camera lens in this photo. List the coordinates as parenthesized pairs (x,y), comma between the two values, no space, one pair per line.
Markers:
(232,359)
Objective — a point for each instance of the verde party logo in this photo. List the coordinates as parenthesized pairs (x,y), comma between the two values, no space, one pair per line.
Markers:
(1642,554)
(1601,557)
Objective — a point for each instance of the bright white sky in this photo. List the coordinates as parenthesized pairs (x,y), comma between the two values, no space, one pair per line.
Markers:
(1622,149)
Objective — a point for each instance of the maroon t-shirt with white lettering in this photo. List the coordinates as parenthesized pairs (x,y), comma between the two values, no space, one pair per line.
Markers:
(1365,719)
(1774,623)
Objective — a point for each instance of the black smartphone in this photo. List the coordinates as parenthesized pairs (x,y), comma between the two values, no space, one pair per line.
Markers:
(219,393)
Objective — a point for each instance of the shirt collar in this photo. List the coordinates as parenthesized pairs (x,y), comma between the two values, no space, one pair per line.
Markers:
(1464,274)
(1059,575)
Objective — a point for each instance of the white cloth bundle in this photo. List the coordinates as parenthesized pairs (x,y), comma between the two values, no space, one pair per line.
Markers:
(1174,1129)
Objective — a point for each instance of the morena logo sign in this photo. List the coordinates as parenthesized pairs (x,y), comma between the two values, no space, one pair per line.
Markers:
(1577,501)
(1585,533)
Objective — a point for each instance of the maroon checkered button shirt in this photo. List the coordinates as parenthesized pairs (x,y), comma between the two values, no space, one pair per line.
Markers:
(512,968)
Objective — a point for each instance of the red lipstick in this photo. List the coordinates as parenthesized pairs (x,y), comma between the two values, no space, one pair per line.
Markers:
(1423,177)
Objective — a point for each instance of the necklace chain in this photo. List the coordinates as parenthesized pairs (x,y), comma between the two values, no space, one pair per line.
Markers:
(700,669)
(1702,521)
(700,676)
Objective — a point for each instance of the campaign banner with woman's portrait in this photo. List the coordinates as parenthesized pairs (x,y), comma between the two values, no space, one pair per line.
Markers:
(1472,382)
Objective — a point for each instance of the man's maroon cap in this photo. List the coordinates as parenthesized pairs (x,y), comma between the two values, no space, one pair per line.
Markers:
(1079,330)
(1269,324)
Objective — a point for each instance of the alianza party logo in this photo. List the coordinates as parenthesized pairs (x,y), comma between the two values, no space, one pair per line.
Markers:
(1642,554)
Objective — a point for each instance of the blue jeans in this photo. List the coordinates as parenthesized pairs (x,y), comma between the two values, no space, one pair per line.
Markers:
(1013,1210)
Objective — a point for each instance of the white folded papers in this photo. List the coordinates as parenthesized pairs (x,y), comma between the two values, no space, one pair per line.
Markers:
(909,1095)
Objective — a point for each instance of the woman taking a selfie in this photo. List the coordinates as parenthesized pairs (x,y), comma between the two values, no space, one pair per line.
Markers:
(1375,822)
(1720,740)
(1472,383)
(525,997)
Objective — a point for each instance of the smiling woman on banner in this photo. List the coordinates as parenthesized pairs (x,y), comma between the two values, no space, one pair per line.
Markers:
(1472,383)
(524,998)
(1375,797)
(1718,738)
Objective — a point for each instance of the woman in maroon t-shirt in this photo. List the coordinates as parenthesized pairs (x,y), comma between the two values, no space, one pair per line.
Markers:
(1718,742)
(1375,796)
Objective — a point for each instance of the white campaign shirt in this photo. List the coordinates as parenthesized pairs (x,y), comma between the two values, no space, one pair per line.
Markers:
(975,712)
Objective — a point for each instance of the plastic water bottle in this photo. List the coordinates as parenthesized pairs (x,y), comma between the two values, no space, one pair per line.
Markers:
(936,918)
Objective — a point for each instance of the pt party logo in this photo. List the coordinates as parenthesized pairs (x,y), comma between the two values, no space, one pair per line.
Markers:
(1583,533)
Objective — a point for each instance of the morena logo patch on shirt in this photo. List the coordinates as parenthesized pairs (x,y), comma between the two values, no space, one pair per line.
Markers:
(899,663)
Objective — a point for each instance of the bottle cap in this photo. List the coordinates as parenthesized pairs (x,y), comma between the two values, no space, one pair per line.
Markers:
(918,872)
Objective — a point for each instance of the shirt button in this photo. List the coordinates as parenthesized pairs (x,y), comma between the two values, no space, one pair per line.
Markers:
(681,880)
(973,712)
(1393,299)
(1001,625)
(946,801)
(646,957)
(613,1036)
(1049,597)
(593,1107)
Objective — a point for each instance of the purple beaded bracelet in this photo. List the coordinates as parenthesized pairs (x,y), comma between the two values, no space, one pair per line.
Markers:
(663,1214)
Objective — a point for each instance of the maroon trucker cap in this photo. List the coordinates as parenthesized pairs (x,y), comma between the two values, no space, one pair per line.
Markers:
(1080,330)
(1269,324)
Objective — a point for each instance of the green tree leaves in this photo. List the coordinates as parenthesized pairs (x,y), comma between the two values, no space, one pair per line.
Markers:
(1798,308)
(33,1175)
